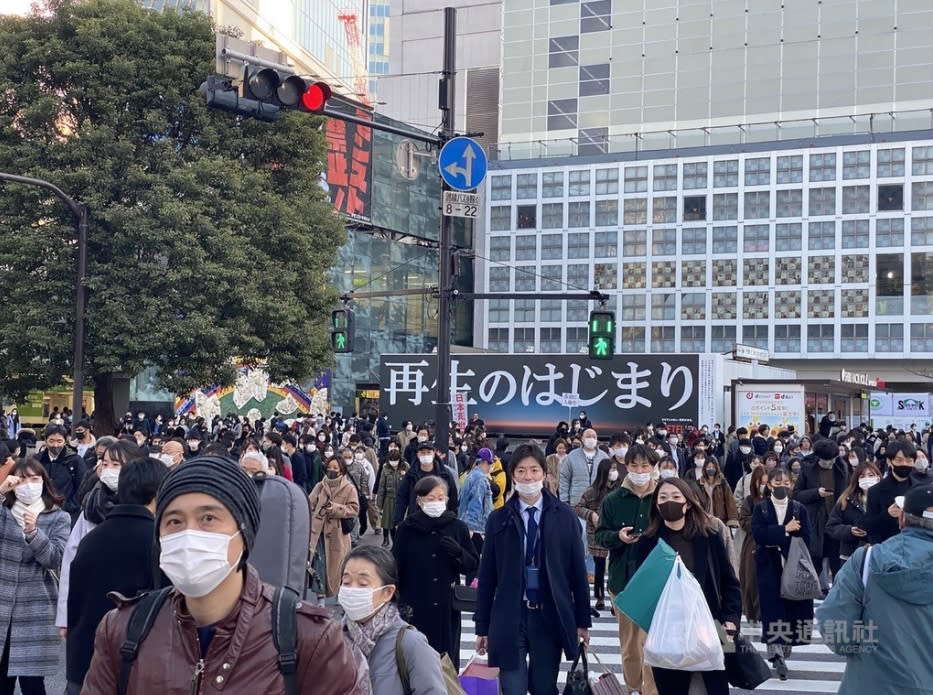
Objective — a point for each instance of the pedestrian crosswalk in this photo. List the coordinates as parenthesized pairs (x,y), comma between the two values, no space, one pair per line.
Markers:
(811,669)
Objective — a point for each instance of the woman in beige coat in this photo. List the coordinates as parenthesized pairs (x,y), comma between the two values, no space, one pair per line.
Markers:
(332,499)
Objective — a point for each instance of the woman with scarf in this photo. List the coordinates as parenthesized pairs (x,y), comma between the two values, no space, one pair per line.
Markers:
(433,548)
(369,598)
(33,533)
(607,480)
(333,500)
(95,508)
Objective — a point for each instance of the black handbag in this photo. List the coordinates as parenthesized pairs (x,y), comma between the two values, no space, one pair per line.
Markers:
(578,678)
(346,525)
(745,667)
(464,599)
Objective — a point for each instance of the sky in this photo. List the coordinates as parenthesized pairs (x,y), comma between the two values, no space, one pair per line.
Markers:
(15,6)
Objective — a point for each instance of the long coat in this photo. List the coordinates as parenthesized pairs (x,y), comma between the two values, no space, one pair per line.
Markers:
(841,522)
(502,579)
(28,594)
(773,545)
(748,577)
(807,492)
(390,480)
(590,502)
(325,523)
(717,499)
(427,574)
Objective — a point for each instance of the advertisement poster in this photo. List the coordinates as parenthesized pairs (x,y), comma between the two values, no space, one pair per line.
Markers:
(775,405)
(899,410)
(349,166)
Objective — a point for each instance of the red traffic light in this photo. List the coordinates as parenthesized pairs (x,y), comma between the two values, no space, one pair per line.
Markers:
(315,97)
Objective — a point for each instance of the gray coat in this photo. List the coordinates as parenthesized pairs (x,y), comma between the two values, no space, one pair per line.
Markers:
(424,664)
(28,593)
(575,475)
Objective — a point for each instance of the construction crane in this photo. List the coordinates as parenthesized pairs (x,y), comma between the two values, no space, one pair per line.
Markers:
(352,29)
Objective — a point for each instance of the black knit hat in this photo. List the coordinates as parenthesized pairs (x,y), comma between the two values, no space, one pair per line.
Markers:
(222,479)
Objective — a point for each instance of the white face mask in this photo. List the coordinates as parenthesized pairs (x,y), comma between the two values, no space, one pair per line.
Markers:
(668,473)
(621,452)
(673,441)
(853,461)
(110,477)
(613,476)
(434,508)
(866,483)
(194,444)
(357,602)
(329,453)
(422,438)
(921,465)
(529,489)
(358,457)
(745,449)
(589,443)
(640,479)
(196,561)
(426,460)
(28,493)
(167,459)
(778,449)
(699,461)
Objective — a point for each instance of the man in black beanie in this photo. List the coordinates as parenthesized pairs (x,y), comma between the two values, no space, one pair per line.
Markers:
(216,627)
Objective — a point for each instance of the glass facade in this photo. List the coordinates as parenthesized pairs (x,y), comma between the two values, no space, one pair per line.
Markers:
(793,250)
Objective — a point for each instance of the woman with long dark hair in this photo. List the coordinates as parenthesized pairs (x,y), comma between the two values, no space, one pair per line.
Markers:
(607,479)
(757,492)
(678,518)
(844,524)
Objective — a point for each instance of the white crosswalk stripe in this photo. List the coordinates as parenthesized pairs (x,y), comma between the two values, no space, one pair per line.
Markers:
(811,669)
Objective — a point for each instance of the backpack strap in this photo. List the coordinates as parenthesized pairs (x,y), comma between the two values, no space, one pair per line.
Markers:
(141,621)
(864,573)
(400,662)
(285,635)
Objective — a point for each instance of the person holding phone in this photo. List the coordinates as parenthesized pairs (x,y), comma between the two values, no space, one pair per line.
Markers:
(846,519)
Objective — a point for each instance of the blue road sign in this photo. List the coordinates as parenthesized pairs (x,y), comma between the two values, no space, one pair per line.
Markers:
(462,163)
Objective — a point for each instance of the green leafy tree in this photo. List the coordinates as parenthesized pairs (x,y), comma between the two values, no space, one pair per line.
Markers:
(210,236)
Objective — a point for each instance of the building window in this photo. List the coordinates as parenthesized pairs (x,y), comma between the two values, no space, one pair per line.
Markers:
(636,179)
(633,307)
(564,52)
(756,238)
(552,215)
(855,268)
(526,247)
(527,215)
(725,240)
(665,177)
(499,278)
(889,281)
(921,337)
(664,274)
(723,305)
(890,197)
(663,306)
(695,175)
(922,161)
(855,234)
(854,303)
(607,181)
(821,235)
(921,283)
(525,279)
(820,337)
(822,201)
(594,79)
(664,242)
(787,270)
(606,276)
(562,114)
(635,242)
(821,270)
(579,182)
(821,304)
(552,184)
(662,339)
(693,338)
(500,187)
(922,195)
(755,336)
(890,163)
(606,245)
(499,339)
(550,340)
(726,173)
(550,309)
(635,211)
(889,232)
(790,169)
(856,165)
(725,206)
(787,304)
(788,202)
(757,205)
(499,311)
(577,339)
(755,305)
(758,171)
(856,200)
(921,231)
(694,208)
(889,337)
(693,306)
(853,337)
(595,15)
(787,236)
(592,141)
(500,248)
(552,247)
(755,271)
(578,214)
(500,218)
(823,167)
(526,186)
(607,213)
(633,339)
(551,279)
(722,338)
(664,210)
(693,273)
(694,241)
(787,338)
(725,272)
(524,312)
(578,245)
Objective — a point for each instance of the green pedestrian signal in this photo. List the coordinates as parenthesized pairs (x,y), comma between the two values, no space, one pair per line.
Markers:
(341,330)
(602,338)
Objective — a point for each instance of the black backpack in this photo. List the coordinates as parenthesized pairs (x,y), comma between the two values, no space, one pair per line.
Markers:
(284,634)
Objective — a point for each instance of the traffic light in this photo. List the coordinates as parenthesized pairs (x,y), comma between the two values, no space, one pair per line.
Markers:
(285,90)
(221,94)
(602,342)
(341,330)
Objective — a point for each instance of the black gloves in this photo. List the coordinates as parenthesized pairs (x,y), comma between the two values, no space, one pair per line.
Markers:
(451,547)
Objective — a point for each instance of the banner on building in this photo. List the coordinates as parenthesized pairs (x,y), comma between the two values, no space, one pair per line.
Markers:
(899,410)
(349,166)
(460,410)
(775,405)
(523,394)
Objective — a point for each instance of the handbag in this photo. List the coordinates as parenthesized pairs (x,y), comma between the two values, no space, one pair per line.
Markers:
(799,580)
(578,679)
(480,679)
(606,683)
(464,598)
(346,525)
(448,672)
(640,597)
(746,668)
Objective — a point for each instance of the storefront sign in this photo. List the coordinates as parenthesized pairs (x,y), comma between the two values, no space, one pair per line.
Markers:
(746,352)
(859,379)
(900,410)
(775,405)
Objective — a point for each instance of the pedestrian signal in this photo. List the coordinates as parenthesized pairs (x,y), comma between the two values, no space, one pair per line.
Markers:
(341,330)
(602,335)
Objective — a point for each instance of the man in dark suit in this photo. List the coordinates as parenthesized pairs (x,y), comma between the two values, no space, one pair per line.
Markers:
(533,600)
(881,512)
(119,555)
(65,468)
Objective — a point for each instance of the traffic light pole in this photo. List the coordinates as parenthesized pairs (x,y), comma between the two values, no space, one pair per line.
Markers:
(447,103)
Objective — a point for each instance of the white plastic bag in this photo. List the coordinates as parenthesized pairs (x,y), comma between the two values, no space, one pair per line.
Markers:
(683,635)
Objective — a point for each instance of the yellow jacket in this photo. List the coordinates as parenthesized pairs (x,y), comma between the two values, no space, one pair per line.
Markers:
(498,477)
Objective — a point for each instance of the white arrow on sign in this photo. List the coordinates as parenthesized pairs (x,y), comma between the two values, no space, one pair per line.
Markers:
(469,154)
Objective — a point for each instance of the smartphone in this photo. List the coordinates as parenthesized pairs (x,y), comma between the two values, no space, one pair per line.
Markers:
(634,535)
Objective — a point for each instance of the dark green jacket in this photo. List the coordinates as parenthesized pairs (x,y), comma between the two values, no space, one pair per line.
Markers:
(622,508)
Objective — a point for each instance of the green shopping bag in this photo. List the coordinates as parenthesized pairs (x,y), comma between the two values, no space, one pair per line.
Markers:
(641,595)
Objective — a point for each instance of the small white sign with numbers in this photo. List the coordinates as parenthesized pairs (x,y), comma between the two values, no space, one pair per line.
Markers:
(457,204)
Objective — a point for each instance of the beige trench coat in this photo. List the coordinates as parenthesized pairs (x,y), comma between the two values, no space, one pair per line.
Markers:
(325,522)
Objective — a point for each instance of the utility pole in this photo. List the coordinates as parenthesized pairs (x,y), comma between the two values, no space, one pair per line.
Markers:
(446,103)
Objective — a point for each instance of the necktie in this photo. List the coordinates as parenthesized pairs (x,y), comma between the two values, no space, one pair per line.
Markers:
(532,537)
